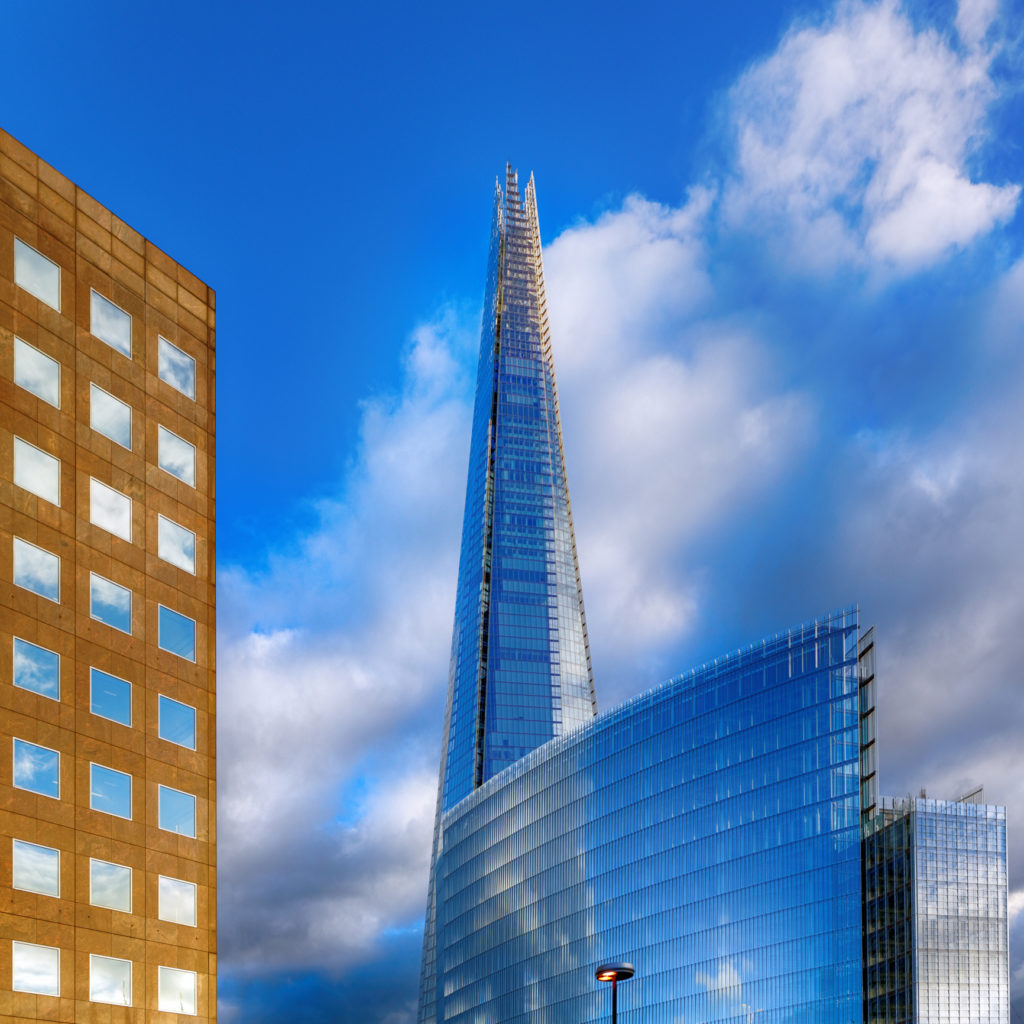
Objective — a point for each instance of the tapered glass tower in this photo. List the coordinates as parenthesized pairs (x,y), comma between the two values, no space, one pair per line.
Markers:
(520,671)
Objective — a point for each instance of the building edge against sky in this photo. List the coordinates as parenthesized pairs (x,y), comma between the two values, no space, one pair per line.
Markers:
(713,831)
(108,845)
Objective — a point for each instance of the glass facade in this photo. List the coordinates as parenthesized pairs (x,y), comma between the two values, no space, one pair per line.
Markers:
(708,831)
(935,913)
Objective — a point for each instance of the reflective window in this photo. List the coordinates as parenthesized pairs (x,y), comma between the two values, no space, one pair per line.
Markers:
(36,669)
(37,274)
(110,885)
(177,991)
(110,603)
(110,509)
(110,416)
(111,324)
(35,968)
(110,697)
(176,456)
(176,545)
(177,722)
(36,372)
(35,868)
(110,791)
(110,979)
(177,633)
(36,769)
(36,570)
(177,901)
(177,812)
(36,471)
(177,368)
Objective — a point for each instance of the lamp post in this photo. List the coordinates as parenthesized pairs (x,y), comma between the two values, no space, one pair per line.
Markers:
(614,973)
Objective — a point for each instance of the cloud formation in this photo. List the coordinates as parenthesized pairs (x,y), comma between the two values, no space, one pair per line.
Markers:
(854,141)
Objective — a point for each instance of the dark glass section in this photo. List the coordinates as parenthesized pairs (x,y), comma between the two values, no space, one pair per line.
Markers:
(707,831)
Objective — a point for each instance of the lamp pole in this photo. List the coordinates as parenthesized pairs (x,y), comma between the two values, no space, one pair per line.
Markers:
(614,973)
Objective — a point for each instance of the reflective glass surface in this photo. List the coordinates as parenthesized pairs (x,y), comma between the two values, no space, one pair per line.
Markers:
(177,812)
(110,980)
(176,456)
(35,868)
(110,509)
(177,990)
(110,885)
(37,471)
(37,570)
(37,372)
(110,791)
(111,603)
(35,968)
(177,368)
(177,901)
(36,769)
(935,913)
(110,416)
(177,722)
(707,831)
(36,273)
(36,669)
(110,697)
(177,633)
(110,323)
(176,545)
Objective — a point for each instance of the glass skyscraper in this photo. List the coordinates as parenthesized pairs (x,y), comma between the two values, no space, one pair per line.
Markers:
(714,831)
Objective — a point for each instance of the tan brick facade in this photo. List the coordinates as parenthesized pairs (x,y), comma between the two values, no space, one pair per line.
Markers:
(96,251)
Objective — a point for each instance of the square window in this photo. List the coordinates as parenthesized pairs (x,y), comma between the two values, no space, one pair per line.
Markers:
(177,368)
(110,885)
(110,509)
(176,456)
(110,697)
(176,545)
(36,769)
(177,634)
(177,812)
(177,991)
(110,791)
(110,416)
(110,603)
(177,722)
(35,868)
(37,471)
(35,968)
(110,980)
(36,273)
(36,669)
(37,372)
(111,324)
(177,901)
(37,570)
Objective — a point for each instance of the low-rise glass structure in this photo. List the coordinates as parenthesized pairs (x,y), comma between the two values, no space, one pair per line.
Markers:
(709,828)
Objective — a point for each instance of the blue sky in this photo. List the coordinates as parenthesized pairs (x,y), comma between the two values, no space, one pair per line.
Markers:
(785,264)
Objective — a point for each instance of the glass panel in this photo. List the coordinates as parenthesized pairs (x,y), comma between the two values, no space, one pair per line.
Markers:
(36,669)
(110,885)
(36,570)
(110,509)
(177,634)
(110,980)
(176,545)
(177,901)
(110,791)
(177,991)
(110,603)
(37,769)
(177,722)
(37,274)
(35,868)
(35,968)
(36,471)
(177,368)
(111,324)
(36,372)
(110,416)
(110,697)
(176,456)
(177,812)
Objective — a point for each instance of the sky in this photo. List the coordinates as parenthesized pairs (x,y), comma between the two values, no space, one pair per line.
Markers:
(784,254)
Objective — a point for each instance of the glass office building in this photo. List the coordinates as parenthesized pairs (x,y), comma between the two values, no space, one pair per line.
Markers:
(935,913)
(714,831)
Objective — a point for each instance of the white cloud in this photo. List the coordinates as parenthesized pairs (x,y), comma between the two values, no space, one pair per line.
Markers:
(854,140)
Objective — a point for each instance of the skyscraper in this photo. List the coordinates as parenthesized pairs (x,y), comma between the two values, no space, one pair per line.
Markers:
(108,625)
(714,831)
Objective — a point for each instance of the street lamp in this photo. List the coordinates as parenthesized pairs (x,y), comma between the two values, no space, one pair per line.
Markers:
(614,973)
